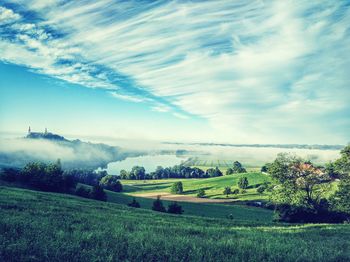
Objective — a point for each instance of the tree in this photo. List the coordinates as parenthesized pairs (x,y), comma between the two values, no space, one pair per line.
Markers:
(98,193)
(264,169)
(243,183)
(201,193)
(213,172)
(111,183)
(174,208)
(134,203)
(238,168)
(227,191)
(340,201)
(138,172)
(158,205)
(123,174)
(177,188)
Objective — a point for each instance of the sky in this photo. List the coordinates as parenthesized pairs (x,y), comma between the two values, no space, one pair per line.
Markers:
(202,71)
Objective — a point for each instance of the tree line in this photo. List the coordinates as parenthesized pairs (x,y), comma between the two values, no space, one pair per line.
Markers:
(178,171)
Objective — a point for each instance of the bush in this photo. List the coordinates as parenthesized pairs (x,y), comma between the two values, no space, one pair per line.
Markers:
(261,189)
(112,183)
(9,174)
(177,188)
(201,193)
(82,191)
(98,193)
(134,203)
(158,205)
(174,208)
(227,191)
(243,191)
(236,191)
(299,214)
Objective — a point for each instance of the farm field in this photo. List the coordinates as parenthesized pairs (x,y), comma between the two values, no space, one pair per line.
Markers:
(213,187)
(37,226)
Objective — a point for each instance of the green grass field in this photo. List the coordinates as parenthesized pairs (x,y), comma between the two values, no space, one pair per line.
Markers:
(37,226)
(214,187)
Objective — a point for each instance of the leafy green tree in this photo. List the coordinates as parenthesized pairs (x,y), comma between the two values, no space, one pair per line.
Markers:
(227,191)
(123,174)
(134,203)
(243,183)
(177,188)
(82,191)
(300,182)
(98,193)
(213,172)
(201,193)
(137,172)
(340,201)
(238,168)
(158,205)
(111,183)
(174,208)
(236,191)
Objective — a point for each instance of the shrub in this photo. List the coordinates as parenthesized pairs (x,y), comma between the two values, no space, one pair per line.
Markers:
(243,191)
(112,183)
(158,205)
(98,193)
(177,188)
(236,191)
(134,203)
(261,189)
(227,191)
(9,174)
(83,192)
(174,208)
(201,193)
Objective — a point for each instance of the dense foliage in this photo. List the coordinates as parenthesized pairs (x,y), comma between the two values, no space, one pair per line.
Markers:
(112,183)
(134,203)
(301,194)
(175,208)
(158,205)
(201,193)
(41,176)
(86,176)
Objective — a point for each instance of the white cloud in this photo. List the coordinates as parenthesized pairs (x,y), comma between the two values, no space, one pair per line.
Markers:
(257,71)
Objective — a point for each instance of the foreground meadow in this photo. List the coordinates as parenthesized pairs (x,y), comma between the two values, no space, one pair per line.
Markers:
(37,226)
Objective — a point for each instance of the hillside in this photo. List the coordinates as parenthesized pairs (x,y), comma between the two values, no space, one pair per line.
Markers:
(36,226)
(214,187)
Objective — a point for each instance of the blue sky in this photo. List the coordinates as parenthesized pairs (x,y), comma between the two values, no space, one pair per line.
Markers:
(214,71)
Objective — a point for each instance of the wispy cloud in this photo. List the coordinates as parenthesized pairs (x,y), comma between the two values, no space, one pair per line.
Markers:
(256,70)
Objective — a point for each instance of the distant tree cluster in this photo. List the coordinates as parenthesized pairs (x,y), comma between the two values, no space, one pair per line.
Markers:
(236,169)
(41,176)
(177,171)
(177,188)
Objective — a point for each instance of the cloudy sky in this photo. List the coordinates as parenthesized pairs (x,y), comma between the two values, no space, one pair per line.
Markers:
(215,71)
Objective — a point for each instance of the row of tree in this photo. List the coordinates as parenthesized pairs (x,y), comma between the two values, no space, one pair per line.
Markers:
(178,171)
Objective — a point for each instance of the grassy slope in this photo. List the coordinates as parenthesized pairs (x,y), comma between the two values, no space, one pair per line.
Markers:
(36,226)
(214,187)
(203,210)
